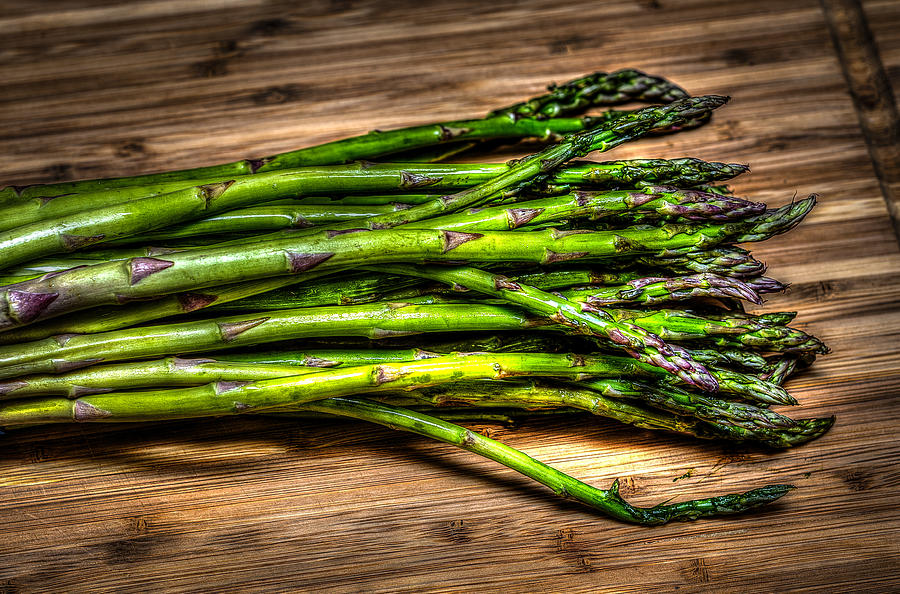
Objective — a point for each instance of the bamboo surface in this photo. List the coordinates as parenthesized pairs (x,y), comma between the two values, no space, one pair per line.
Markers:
(104,88)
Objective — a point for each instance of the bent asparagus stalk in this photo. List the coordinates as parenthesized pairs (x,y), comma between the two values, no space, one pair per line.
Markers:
(609,501)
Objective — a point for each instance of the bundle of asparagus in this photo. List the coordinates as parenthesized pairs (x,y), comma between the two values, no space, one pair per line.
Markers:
(613,288)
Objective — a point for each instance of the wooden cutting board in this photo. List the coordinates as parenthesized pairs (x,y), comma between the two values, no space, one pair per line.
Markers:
(102,88)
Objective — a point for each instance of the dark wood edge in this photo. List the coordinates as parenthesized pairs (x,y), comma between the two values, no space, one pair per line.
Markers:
(873,97)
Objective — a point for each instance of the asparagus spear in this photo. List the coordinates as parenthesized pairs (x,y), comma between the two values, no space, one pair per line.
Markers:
(541,395)
(732,330)
(151,277)
(67,353)
(90,227)
(347,289)
(590,320)
(651,203)
(570,98)
(259,219)
(609,501)
(736,420)
(390,177)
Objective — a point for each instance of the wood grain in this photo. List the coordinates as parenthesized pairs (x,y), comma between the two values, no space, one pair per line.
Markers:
(100,88)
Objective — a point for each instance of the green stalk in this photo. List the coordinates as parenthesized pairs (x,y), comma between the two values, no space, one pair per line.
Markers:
(183,372)
(627,401)
(651,203)
(570,98)
(609,501)
(116,282)
(451,414)
(540,395)
(144,214)
(592,321)
(258,219)
(731,330)
(364,178)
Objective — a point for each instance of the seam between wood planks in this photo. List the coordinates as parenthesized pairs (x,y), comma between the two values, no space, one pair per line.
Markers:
(872,95)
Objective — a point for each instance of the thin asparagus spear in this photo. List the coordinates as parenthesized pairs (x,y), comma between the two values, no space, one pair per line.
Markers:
(737,420)
(570,98)
(151,277)
(540,395)
(610,502)
(627,401)
(451,414)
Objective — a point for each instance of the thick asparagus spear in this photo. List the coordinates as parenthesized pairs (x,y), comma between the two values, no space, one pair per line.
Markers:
(391,177)
(151,277)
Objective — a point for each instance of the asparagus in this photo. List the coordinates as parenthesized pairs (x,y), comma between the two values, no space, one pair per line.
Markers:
(89,227)
(589,320)
(366,288)
(656,202)
(454,415)
(151,277)
(540,395)
(66,353)
(736,420)
(732,330)
(627,401)
(655,290)
(243,395)
(570,98)
(265,218)
(727,261)
(608,501)
(257,386)
(391,177)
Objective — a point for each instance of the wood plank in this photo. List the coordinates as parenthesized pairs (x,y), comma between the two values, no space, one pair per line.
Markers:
(94,89)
